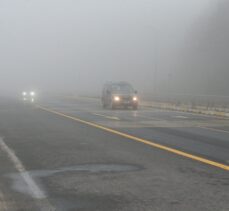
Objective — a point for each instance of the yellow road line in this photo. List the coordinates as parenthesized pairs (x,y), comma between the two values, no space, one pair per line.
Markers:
(150,143)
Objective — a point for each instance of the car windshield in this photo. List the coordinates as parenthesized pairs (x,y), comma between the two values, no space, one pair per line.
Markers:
(122,88)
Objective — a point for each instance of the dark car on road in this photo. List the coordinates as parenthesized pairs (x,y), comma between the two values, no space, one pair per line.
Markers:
(120,94)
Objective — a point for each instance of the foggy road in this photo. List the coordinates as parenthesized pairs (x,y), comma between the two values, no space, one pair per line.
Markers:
(62,148)
(70,154)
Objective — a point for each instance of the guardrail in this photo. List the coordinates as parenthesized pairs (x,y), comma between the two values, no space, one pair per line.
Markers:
(174,105)
(187,108)
(210,101)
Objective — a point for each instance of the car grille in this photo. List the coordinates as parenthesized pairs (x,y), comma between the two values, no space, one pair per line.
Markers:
(126,98)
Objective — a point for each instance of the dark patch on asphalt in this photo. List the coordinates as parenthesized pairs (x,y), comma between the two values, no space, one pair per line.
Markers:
(19,184)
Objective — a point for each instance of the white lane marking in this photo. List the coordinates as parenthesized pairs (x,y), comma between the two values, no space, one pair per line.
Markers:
(35,190)
(181,117)
(147,117)
(2,202)
(197,114)
(108,117)
(214,129)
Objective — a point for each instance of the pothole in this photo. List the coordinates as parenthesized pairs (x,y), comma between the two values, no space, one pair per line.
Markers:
(19,185)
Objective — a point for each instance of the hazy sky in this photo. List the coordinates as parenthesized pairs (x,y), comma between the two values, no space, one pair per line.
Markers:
(79,44)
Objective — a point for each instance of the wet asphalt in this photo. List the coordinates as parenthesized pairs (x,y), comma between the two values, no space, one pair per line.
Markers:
(80,167)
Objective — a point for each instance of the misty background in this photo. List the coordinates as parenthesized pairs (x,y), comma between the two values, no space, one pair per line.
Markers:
(162,47)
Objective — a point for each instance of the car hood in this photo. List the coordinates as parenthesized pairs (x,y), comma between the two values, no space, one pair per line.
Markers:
(124,95)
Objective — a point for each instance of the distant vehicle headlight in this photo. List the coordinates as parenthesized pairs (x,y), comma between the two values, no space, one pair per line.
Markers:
(135,99)
(116,98)
(24,93)
(32,93)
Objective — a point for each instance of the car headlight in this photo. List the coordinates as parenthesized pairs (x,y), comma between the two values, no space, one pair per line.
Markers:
(116,98)
(24,93)
(135,99)
(32,93)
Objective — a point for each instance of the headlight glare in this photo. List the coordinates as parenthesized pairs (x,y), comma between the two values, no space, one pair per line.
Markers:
(32,93)
(117,98)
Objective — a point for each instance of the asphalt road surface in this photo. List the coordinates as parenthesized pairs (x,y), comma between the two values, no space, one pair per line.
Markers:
(70,154)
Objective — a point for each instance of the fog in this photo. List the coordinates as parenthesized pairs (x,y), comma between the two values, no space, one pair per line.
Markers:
(160,46)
